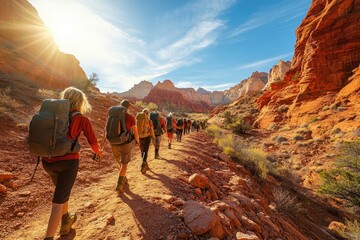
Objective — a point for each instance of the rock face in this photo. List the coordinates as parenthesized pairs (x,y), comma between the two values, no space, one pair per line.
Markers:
(28,50)
(255,83)
(324,65)
(138,91)
(277,72)
(327,46)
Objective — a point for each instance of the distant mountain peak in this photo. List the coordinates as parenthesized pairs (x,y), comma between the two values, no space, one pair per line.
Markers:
(202,90)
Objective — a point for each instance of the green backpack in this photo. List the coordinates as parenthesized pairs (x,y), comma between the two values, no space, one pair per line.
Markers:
(116,132)
(48,130)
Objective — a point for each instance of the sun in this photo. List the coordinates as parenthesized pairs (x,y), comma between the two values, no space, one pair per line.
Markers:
(69,23)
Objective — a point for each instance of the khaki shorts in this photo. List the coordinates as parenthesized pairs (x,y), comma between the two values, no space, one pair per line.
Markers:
(122,153)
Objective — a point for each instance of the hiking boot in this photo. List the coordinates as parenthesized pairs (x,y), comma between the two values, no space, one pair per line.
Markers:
(157,156)
(169,146)
(144,167)
(66,222)
(122,180)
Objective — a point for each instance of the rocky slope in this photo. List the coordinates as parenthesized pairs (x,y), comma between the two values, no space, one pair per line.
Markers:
(255,83)
(28,50)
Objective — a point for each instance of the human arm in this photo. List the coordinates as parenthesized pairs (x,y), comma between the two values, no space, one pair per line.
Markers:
(82,123)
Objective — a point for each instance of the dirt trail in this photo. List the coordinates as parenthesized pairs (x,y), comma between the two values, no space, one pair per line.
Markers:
(141,212)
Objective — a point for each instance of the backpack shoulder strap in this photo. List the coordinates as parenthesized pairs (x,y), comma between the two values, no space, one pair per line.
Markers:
(71,115)
(123,121)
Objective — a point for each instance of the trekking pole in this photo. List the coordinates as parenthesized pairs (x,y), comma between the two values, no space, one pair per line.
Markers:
(37,164)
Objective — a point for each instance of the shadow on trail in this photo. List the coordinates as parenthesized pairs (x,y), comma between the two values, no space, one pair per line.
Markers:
(70,236)
(142,211)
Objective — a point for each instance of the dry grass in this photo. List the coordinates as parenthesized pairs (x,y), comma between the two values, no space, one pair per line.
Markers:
(285,202)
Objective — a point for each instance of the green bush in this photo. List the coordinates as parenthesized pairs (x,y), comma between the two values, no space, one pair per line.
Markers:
(228,119)
(343,181)
(239,126)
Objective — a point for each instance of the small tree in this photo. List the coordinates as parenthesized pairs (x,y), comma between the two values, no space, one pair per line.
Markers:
(343,181)
(227,118)
(93,78)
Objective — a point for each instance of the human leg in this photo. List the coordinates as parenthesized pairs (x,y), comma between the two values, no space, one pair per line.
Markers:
(124,151)
(63,174)
(144,146)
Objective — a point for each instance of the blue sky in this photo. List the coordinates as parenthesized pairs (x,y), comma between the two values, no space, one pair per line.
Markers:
(212,44)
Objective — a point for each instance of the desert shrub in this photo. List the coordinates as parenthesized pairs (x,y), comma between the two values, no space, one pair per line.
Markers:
(304,131)
(296,76)
(325,108)
(283,108)
(352,230)
(152,106)
(140,104)
(213,130)
(239,126)
(343,180)
(298,137)
(313,120)
(254,160)
(228,119)
(280,139)
(285,202)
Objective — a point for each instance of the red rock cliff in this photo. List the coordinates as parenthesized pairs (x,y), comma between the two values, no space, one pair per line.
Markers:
(28,50)
(327,52)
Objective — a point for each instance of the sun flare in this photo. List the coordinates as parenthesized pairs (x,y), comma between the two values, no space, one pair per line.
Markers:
(70,25)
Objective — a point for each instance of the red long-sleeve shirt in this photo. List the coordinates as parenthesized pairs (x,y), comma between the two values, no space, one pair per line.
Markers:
(79,123)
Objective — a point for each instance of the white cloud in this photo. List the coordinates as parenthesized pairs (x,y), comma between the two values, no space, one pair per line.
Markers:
(219,87)
(275,15)
(262,62)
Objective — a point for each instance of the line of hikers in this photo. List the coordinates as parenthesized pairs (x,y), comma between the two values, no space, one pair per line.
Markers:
(54,133)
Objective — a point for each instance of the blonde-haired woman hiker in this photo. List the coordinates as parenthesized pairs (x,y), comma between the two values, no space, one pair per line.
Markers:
(63,169)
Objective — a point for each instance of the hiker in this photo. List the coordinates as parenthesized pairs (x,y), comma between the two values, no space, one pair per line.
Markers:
(159,128)
(170,128)
(185,126)
(146,132)
(188,125)
(63,169)
(179,128)
(122,152)
(197,125)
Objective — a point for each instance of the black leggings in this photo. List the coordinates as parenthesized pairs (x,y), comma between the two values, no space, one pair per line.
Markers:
(144,147)
(63,174)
